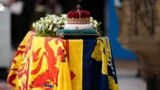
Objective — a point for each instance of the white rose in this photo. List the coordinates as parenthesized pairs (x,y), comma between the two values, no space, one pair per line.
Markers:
(50,27)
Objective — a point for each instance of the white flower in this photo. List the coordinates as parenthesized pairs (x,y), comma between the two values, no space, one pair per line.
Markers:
(50,27)
(52,23)
(55,29)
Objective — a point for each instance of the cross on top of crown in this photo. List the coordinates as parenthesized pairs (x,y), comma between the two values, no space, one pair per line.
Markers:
(78,7)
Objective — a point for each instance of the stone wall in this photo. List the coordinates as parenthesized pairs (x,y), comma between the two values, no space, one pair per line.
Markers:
(5,47)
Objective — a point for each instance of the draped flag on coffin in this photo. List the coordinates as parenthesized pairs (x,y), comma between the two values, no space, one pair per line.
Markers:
(45,63)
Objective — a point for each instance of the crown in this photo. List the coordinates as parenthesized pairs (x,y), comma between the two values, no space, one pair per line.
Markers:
(79,16)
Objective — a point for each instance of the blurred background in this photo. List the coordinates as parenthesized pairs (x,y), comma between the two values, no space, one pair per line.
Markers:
(133,27)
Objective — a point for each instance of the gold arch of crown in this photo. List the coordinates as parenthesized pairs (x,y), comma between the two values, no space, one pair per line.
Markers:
(78,9)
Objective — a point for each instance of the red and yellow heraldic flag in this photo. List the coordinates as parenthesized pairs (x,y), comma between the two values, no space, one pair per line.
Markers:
(46,63)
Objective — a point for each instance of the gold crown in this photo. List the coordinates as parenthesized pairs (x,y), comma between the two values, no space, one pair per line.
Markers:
(79,16)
